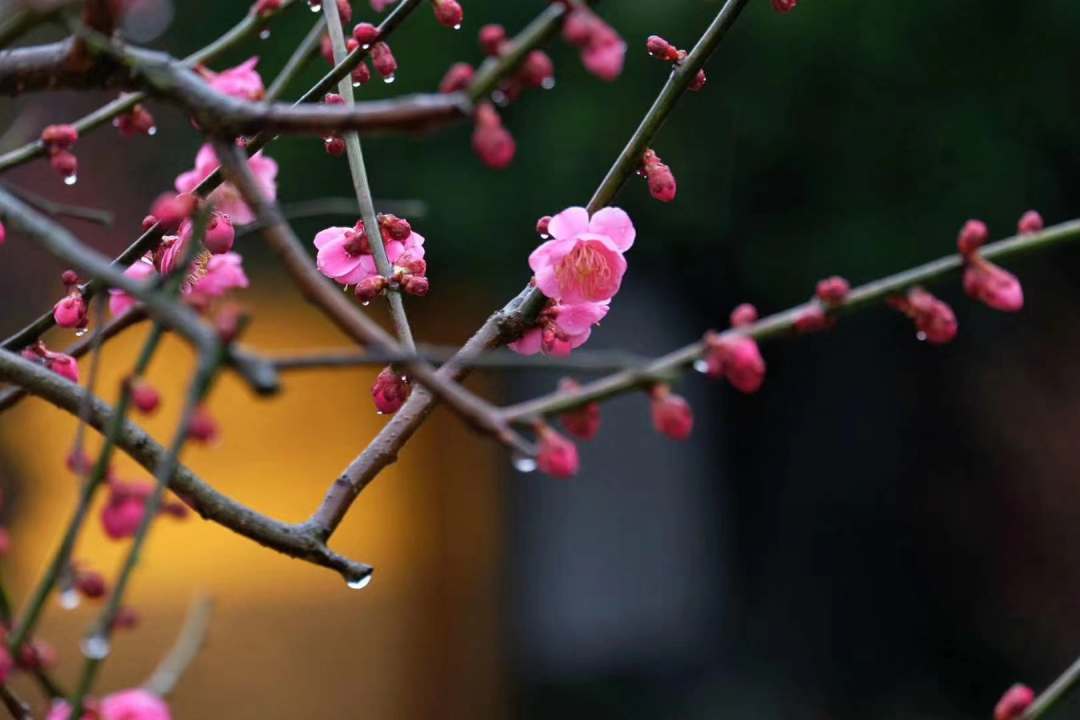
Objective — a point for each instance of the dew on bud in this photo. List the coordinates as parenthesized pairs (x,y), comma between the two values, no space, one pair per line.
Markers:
(315,7)
(366,303)
(79,332)
(69,599)
(96,647)
(702,366)
(499,98)
(458,26)
(388,79)
(523,463)
(920,336)
(152,130)
(71,179)
(544,236)
(264,34)
(547,83)
(355,84)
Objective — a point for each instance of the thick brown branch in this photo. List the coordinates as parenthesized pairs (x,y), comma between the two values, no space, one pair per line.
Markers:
(298,541)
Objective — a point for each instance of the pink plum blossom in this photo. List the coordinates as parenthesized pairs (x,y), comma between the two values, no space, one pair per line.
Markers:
(241,82)
(584,262)
(227,198)
(345,255)
(119,301)
(221,274)
(124,705)
(561,328)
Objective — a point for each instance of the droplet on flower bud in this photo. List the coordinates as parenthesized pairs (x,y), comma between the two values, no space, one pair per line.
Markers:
(784,6)
(382,58)
(70,312)
(542,227)
(833,291)
(335,146)
(661,49)
(934,320)
(449,13)
(390,391)
(365,33)
(370,288)
(1014,703)
(66,165)
(361,74)
(661,180)
(537,70)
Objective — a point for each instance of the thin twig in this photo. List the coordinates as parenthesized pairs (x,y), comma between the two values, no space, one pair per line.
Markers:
(362,186)
(1052,696)
(55,209)
(18,709)
(184,650)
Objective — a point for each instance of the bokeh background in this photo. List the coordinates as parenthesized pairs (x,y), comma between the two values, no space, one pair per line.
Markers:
(887,529)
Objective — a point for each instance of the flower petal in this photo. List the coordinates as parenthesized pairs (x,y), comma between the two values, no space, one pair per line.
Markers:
(615,224)
(569,223)
(529,344)
(578,319)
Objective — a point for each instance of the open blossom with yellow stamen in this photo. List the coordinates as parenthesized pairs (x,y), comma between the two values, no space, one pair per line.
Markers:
(584,261)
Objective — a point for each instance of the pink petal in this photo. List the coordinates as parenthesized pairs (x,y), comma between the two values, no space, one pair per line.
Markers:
(579,339)
(577,319)
(394,249)
(615,224)
(569,223)
(334,262)
(529,344)
(414,240)
(330,234)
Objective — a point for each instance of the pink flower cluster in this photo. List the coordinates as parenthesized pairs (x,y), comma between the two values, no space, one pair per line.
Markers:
(125,705)
(580,269)
(226,198)
(63,365)
(345,255)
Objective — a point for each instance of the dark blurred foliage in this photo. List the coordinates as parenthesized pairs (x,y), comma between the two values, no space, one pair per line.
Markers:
(893,526)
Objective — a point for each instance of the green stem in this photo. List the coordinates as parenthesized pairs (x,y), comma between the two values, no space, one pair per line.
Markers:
(362,186)
(1052,696)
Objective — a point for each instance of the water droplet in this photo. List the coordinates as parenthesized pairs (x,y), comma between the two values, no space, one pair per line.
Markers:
(379,412)
(366,303)
(499,98)
(79,332)
(355,84)
(547,83)
(523,463)
(96,647)
(458,26)
(152,130)
(116,122)
(920,336)
(361,582)
(69,599)
(264,34)
(71,179)
(544,236)
(365,46)
(702,366)
(388,79)
(315,6)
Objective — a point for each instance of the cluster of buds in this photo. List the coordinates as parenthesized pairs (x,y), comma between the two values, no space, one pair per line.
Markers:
(535,71)
(735,357)
(983,280)
(814,317)
(408,272)
(58,141)
(33,656)
(492,142)
(603,52)
(390,391)
(70,312)
(365,36)
(61,364)
(661,180)
(335,145)
(661,49)
(137,121)
(934,320)
(448,13)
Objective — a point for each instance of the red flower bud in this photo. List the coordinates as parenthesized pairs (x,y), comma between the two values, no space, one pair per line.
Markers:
(66,165)
(144,397)
(934,320)
(59,137)
(1014,703)
(538,70)
(171,210)
(457,78)
(745,314)
(136,122)
(972,236)
(448,13)
(90,584)
(737,359)
(361,74)
(784,6)
(661,49)
(671,414)
(1030,222)
(833,291)
(390,391)
(335,146)
(371,288)
(581,422)
(993,286)
(558,456)
(417,285)
(579,27)
(811,320)
(365,34)
(662,184)
(542,226)
(383,60)
(267,7)
(220,234)
(70,312)
(491,39)
(698,82)
(491,141)
(203,427)
(397,228)
(126,619)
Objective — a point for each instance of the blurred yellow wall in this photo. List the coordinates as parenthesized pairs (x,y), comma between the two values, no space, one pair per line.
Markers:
(288,640)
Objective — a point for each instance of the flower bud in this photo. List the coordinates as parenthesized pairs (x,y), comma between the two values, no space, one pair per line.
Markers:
(345,11)
(579,27)
(1030,222)
(671,414)
(737,359)
(137,122)
(415,285)
(558,456)
(370,288)
(457,78)
(743,315)
(993,286)
(811,320)
(71,311)
(203,428)
(171,210)
(335,146)
(972,236)
(63,365)
(492,142)
(65,164)
(542,226)
(698,82)
(784,6)
(661,180)
(934,320)
(6,665)
(126,619)
(661,49)
(264,8)
(383,60)
(361,74)
(833,291)
(537,71)
(410,264)
(365,34)
(390,391)
(448,13)
(219,234)
(59,137)
(3,233)
(1014,703)
(90,584)
(491,39)
(144,397)
(582,422)
(396,228)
